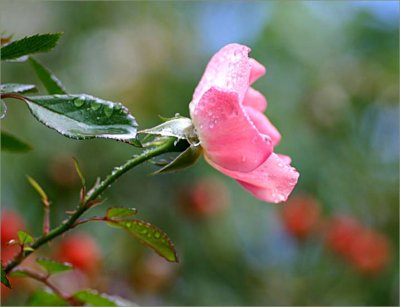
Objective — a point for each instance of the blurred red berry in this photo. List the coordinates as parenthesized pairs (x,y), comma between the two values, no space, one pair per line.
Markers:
(11,222)
(366,250)
(342,232)
(81,251)
(370,252)
(205,198)
(300,215)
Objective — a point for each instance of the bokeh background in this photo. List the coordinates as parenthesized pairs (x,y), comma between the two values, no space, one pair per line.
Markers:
(333,89)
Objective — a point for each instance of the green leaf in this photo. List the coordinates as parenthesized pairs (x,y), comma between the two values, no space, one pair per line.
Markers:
(44,298)
(4,279)
(16,88)
(12,144)
(49,80)
(38,189)
(84,116)
(113,213)
(151,236)
(18,273)
(24,237)
(94,298)
(79,171)
(52,266)
(29,45)
(183,160)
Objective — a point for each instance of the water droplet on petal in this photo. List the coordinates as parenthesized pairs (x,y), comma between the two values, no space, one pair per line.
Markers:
(243,159)
(3,109)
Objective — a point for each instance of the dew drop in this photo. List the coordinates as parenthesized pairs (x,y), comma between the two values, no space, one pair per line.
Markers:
(128,224)
(143,231)
(243,159)
(157,235)
(94,105)
(78,102)
(3,109)
(108,111)
(118,107)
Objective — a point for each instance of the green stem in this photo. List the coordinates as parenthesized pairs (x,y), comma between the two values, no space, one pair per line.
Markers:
(92,195)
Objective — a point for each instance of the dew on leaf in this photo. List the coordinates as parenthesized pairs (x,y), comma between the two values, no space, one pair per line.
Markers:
(108,111)
(157,235)
(78,102)
(3,109)
(95,105)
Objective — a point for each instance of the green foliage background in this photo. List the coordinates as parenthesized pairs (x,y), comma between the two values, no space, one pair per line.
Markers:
(332,87)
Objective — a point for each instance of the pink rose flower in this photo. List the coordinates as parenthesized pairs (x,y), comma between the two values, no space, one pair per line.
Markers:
(237,138)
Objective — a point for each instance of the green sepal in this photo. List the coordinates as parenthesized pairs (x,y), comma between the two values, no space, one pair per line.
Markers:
(181,128)
(183,160)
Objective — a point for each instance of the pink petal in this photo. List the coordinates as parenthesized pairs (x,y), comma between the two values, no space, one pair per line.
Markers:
(263,124)
(255,99)
(227,135)
(273,181)
(229,69)
(257,70)
(285,159)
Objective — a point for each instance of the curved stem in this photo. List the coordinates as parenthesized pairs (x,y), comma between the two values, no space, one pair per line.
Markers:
(12,95)
(91,197)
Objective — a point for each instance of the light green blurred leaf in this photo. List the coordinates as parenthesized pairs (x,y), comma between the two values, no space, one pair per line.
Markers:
(79,171)
(18,273)
(151,236)
(94,298)
(84,116)
(38,188)
(13,144)
(16,88)
(24,237)
(52,266)
(16,50)
(52,84)
(120,212)
(44,298)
